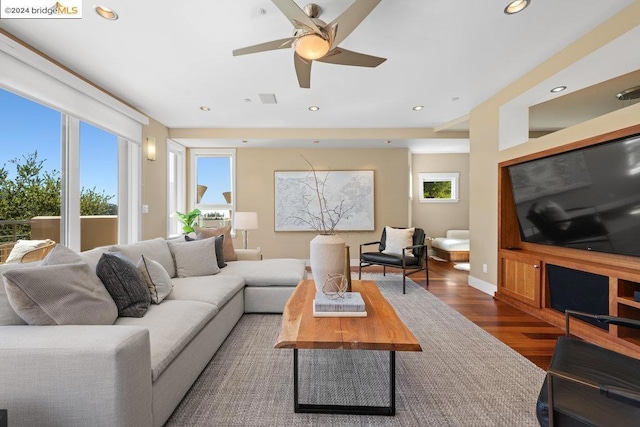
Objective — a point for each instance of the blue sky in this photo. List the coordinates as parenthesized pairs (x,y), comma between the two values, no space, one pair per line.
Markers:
(26,126)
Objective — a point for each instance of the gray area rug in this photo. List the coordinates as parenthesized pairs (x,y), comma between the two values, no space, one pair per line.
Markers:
(463,376)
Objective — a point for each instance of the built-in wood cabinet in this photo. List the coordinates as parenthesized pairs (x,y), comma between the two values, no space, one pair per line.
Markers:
(523,279)
(520,277)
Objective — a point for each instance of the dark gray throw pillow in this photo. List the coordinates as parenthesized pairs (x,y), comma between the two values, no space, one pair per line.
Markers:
(125,284)
(219,242)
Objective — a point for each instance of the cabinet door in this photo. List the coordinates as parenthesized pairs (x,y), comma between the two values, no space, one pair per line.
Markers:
(521,280)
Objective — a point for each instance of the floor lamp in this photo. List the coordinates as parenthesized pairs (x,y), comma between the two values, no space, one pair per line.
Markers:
(245,221)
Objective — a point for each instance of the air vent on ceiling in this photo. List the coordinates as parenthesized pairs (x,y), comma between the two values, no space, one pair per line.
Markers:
(268,98)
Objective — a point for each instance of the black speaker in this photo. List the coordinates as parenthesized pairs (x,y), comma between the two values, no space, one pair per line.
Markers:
(578,290)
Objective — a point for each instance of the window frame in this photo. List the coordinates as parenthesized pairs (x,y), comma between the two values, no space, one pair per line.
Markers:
(196,153)
(452,177)
(173,148)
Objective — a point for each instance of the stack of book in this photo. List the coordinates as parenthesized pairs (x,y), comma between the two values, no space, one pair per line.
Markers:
(350,304)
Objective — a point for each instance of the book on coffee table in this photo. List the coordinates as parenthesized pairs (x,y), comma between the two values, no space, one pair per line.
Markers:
(350,304)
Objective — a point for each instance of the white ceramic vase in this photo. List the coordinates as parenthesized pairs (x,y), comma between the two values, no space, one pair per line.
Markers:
(326,257)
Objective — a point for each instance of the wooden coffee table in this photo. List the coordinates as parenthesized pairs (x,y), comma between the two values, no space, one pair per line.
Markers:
(382,329)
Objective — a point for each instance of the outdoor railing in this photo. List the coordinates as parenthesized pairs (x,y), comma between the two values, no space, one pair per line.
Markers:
(12,230)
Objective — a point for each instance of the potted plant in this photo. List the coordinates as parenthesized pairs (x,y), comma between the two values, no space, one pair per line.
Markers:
(188,220)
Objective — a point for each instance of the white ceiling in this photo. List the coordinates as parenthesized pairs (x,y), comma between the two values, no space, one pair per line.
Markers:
(167,59)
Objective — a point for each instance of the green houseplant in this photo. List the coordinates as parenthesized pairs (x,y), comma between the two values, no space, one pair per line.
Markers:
(188,220)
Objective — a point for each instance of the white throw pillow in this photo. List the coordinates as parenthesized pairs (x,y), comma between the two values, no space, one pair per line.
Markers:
(63,290)
(156,277)
(197,258)
(23,247)
(396,239)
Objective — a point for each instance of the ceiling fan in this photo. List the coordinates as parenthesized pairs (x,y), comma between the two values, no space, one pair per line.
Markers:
(314,40)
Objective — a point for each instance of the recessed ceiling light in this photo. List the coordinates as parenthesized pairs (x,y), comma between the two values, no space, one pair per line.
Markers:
(262,11)
(247,100)
(558,89)
(106,13)
(314,108)
(516,6)
(418,107)
(455,98)
(205,108)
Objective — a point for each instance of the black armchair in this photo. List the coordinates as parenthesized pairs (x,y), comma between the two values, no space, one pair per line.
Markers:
(590,385)
(412,259)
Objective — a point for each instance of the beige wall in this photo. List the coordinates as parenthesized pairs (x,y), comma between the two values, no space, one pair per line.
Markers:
(484,122)
(254,178)
(154,182)
(437,218)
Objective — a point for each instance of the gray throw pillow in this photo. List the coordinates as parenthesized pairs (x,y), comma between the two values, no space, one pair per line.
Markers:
(62,290)
(157,279)
(197,258)
(125,284)
(219,241)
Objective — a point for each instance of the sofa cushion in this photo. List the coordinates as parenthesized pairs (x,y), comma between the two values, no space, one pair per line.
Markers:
(92,256)
(125,284)
(8,315)
(228,251)
(216,290)
(196,258)
(172,325)
(157,278)
(61,290)
(219,248)
(450,245)
(155,249)
(268,272)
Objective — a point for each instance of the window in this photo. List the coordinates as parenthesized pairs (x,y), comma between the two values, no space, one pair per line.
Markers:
(213,185)
(439,187)
(29,168)
(79,170)
(25,72)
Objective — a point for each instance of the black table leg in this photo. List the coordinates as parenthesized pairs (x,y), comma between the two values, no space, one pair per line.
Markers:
(347,409)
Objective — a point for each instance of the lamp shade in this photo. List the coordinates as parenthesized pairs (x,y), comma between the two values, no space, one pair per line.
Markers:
(245,220)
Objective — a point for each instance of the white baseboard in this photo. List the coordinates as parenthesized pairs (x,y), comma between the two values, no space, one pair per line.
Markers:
(486,287)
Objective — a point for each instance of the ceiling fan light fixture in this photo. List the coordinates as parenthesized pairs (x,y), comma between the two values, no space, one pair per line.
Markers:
(516,6)
(311,46)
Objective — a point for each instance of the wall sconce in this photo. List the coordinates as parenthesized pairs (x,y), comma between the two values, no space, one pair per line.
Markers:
(151,148)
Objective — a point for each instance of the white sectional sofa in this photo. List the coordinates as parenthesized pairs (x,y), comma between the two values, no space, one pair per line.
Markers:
(454,247)
(135,372)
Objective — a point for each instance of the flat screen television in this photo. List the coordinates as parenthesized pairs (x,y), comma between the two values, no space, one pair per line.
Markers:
(587,199)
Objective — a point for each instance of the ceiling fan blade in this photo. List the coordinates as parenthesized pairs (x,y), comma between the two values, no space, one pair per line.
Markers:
(350,19)
(262,47)
(298,18)
(303,70)
(346,57)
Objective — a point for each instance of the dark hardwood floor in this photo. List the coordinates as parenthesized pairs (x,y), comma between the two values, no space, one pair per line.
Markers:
(529,336)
